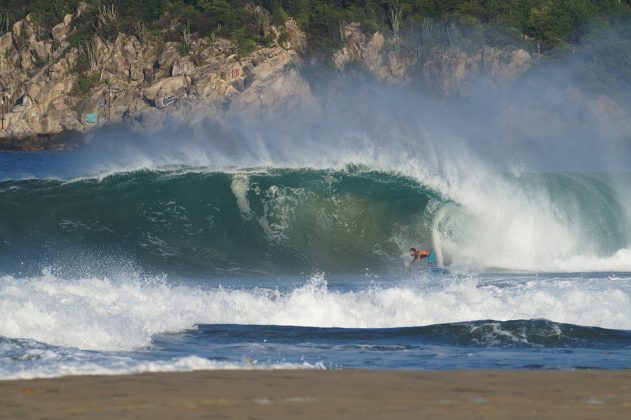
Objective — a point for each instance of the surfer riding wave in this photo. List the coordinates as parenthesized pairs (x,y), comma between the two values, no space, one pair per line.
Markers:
(419,255)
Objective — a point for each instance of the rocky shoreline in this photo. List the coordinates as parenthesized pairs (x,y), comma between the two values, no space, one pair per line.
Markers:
(47,103)
(66,140)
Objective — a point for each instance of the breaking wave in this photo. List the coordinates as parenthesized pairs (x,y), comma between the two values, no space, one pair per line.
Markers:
(103,314)
(300,220)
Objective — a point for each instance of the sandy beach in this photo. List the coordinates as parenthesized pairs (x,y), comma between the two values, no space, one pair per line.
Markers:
(324,394)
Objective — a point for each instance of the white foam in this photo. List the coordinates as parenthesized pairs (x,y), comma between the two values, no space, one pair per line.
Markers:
(125,366)
(504,225)
(240,185)
(100,314)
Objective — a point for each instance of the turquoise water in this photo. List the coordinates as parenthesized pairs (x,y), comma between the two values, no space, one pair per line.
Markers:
(204,267)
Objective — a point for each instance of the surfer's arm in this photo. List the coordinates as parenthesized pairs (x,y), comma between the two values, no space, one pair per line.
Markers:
(414,261)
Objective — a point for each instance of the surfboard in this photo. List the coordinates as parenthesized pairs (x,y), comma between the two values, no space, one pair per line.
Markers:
(437,270)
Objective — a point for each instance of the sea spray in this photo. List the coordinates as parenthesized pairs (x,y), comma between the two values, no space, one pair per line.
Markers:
(101,314)
(182,221)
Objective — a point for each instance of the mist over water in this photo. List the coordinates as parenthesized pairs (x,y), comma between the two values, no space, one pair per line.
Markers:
(196,221)
(107,314)
(140,241)
(532,177)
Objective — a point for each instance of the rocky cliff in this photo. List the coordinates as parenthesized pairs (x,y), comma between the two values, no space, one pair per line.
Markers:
(451,70)
(51,88)
(134,82)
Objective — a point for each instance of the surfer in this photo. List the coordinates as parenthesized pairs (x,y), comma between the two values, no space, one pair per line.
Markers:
(418,255)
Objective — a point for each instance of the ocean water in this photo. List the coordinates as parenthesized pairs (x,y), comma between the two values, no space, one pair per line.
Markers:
(123,268)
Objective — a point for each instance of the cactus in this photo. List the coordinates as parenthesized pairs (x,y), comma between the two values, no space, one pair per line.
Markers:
(90,50)
(5,23)
(107,22)
(453,34)
(140,30)
(59,9)
(186,38)
(395,14)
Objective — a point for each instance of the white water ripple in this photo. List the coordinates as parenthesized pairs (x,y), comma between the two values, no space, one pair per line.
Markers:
(100,314)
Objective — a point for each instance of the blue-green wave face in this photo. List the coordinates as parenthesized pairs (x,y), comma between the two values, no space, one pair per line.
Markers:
(507,334)
(270,221)
(305,220)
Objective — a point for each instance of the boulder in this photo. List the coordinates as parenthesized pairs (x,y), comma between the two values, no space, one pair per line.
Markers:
(42,51)
(390,66)
(59,32)
(23,32)
(6,43)
(70,122)
(275,89)
(170,53)
(373,58)
(182,66)
(171,86)
(296,39)
(453,70)
(509,64)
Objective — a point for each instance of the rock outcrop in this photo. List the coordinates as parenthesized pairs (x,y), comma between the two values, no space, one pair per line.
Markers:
(385,63)
(457,72)
(268,91)
(48,87)
(138,82)
(452,70)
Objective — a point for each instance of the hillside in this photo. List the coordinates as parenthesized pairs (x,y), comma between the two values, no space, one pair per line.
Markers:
(69,66)
(543,25)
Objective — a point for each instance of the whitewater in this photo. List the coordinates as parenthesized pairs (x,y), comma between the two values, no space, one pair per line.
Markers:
(194,268)
(236,245)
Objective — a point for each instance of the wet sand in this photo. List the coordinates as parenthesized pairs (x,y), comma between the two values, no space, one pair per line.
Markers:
(324,394)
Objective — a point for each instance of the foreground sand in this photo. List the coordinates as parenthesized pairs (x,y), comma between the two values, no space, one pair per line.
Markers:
(324,394)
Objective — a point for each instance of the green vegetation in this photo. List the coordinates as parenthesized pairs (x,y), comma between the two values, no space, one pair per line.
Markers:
(597,28)
(85,83)
(604,62)
(545,24)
